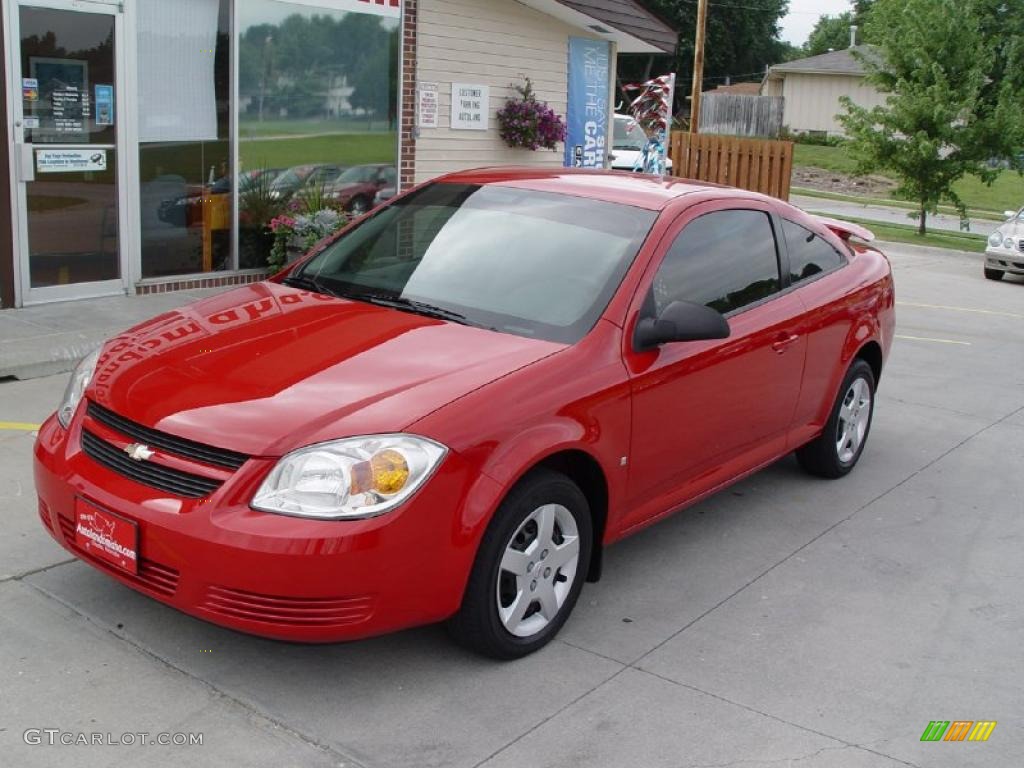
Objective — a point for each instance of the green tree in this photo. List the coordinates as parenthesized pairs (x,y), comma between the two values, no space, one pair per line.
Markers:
(831,33)
(945,116)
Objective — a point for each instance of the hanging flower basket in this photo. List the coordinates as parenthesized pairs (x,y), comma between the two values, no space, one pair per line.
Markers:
(527,123)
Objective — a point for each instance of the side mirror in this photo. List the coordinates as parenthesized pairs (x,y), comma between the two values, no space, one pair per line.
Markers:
(1009,214)
(680,321)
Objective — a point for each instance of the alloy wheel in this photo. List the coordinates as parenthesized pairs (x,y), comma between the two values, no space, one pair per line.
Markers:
(854,417)
(537,570)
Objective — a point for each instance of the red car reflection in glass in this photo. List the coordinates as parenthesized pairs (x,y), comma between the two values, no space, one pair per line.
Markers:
(451,409)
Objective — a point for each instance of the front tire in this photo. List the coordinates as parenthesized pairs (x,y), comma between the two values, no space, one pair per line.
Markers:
(994,274)
(838,448)
(529,569)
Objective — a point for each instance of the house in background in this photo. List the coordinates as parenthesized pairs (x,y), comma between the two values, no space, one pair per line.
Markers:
(812,88)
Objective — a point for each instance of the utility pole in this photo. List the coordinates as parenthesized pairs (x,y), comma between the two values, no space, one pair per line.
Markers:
(698,66)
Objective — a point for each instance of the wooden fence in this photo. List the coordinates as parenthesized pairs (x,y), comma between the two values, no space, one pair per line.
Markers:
(737,114)
(755,164)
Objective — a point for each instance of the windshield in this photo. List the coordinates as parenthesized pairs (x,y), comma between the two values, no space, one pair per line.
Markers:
(628,134)
(529,263)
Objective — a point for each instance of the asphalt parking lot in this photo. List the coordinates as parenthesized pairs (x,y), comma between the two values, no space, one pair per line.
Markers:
(788,621)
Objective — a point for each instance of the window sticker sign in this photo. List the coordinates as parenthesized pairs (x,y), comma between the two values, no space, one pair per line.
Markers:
(427,103)
(586,118)
(471,106)
(29,89)
(70,160)
(104,104)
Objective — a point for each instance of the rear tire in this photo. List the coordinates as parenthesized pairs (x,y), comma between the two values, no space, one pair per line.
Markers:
(529,570)
(994,274)
(838,448)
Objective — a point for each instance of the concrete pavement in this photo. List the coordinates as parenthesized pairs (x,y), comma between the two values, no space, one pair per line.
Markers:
(50,338)
(787,621)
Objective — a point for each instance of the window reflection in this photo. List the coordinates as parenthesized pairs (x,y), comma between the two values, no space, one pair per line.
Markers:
(317,112)
(184,127)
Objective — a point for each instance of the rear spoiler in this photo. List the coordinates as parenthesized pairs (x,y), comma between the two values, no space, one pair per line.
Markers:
(846,229)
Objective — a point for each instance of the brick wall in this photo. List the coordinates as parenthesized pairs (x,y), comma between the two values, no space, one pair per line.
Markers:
(407,159)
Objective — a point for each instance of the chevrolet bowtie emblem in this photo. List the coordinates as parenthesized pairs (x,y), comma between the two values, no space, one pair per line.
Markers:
(138,451)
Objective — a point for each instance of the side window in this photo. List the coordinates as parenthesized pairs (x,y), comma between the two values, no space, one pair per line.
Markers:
(809,255)
(725,260)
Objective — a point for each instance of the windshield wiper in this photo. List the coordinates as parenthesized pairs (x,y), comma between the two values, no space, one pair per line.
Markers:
(309,283)
(410,305)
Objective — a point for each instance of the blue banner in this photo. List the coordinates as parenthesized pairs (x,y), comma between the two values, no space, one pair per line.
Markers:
(586,118)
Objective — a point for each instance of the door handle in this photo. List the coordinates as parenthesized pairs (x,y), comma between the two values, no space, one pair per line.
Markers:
(784,342)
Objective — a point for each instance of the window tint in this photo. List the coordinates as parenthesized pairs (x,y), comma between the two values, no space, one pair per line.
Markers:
(725,260)
(809,255)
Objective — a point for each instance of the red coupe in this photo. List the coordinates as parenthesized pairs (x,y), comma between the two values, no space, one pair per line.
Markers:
(448,411)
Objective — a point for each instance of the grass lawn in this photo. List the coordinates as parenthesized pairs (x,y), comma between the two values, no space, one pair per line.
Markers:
(1005,193)
(342,149)
(899,233)
(308,127)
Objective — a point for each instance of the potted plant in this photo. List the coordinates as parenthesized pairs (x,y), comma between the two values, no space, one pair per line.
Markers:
(527,123)
(256,209)
(310,218)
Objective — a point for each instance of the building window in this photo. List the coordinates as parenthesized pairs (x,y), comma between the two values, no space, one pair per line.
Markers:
(317,111)
(184,86)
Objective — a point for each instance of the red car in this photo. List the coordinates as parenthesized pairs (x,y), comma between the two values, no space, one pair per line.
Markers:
(451,409)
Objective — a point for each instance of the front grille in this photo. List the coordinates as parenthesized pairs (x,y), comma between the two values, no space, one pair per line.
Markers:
(161,579)
(44,515)
(288,611)
(190,449)
(147,472)
(1020,244)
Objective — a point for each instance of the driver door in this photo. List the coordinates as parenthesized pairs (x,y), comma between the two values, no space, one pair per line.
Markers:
(705,412)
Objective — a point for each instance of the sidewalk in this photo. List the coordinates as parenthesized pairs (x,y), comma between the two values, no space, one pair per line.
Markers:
(51,338)
(887,214)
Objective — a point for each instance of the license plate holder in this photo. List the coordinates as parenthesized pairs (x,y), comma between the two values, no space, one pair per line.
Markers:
(106,536)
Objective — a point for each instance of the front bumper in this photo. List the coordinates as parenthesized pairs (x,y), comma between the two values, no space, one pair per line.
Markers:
(1005,260)
(283,577)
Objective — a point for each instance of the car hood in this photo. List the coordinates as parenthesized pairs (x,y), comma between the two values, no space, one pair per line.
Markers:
(266,368)
(1013,228)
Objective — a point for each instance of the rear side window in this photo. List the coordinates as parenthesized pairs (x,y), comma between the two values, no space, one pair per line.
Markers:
(725,260)
(809,255)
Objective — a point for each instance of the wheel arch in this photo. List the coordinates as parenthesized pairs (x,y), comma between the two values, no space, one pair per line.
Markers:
(871,353)
(586,472)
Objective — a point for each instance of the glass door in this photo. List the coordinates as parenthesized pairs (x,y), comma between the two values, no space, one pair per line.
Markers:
(67,148)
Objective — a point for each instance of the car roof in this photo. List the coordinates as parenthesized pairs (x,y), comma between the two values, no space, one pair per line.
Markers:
(626,187)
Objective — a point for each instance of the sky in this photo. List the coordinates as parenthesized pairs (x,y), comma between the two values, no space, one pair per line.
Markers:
(803,14)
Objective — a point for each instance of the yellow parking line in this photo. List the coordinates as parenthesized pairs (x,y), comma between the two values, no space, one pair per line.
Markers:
(937,341)
(960,309)
(19,425)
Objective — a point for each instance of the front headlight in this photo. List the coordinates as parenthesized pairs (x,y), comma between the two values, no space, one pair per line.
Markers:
(80,378)
(1008,242)
(353,478)
(995,239)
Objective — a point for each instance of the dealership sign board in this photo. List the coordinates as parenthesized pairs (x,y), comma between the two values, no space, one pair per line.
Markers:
(586,140)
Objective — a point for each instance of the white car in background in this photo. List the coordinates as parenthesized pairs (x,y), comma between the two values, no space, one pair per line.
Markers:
(628,140)
(1005,251)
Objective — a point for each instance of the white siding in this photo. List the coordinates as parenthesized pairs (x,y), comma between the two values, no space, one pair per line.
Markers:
(812,101)
(495,43)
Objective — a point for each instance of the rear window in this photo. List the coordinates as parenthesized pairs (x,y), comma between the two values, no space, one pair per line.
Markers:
(809,254)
